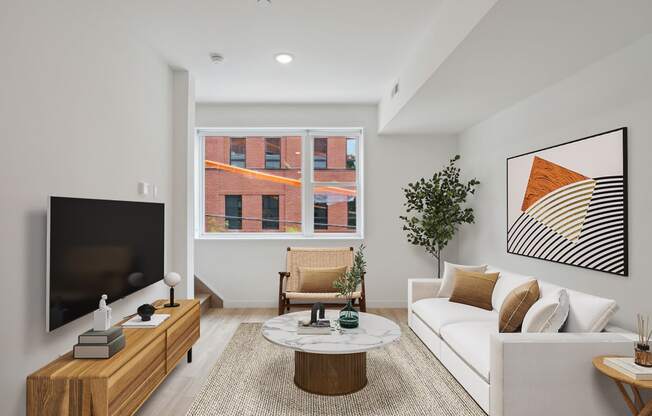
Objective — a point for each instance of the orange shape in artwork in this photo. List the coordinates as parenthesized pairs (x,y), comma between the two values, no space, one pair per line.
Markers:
(546,177)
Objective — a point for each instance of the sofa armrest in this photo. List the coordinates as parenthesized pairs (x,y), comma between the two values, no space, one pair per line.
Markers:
(422,289)
(553,374)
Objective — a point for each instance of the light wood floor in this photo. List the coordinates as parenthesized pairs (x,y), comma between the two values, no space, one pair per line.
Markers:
(175,394)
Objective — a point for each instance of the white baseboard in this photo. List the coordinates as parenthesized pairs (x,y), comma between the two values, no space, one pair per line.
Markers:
(235,303)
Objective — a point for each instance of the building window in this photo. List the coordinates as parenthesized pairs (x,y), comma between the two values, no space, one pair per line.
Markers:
(273,153)
(286,174)
(351,211)
(233,211)
(238,152)
(270,212)
(350,153)
(320,156)
(321,215)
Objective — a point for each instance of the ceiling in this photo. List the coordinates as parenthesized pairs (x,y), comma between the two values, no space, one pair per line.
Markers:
(345,50)
(518,48)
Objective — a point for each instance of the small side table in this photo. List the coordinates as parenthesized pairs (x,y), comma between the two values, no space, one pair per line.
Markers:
(636,404)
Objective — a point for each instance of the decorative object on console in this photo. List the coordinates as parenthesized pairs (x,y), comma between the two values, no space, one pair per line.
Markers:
(448,281)
(172,279)
(95,350)
(642,354)
(146,311)
(347,284)
(100,337)
(474,289)
(516,305)
(568,203)
(434,209)
(154,321)
(102,316)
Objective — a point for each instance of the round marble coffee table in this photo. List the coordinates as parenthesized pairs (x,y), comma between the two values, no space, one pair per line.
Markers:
(332,364)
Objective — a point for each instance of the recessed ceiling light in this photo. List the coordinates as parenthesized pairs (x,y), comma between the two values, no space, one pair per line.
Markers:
(284,58)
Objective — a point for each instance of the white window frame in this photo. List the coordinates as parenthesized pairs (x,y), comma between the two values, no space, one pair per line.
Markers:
(307,182)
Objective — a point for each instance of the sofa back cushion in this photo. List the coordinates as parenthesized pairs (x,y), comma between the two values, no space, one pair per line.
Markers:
(448,280)
(588,313)
(516,305)
(473,288)
(508,281)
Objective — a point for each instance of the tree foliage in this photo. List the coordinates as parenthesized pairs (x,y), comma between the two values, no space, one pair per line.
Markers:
(435,209)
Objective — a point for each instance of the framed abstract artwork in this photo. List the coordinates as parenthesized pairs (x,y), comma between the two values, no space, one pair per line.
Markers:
(568,203)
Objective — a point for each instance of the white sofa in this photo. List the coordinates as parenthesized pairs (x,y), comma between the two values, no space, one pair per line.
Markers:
(516,374)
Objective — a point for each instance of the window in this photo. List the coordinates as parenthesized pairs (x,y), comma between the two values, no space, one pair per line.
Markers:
(321,215)
(350,153)
(233,211)
(238,152)
(351,208)
(279,183)
(273,153)
(321,153)
(270,212)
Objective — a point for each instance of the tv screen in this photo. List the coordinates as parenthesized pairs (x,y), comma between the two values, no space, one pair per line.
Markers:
(100,247)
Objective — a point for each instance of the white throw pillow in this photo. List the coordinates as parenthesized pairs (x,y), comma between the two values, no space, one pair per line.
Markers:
(448,280)
(588,313)
(507,282)
(548,314)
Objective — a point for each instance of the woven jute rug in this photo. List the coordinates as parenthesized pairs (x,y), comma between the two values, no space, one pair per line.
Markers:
(255,378)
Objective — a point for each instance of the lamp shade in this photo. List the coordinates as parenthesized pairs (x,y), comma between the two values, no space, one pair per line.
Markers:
(172,279)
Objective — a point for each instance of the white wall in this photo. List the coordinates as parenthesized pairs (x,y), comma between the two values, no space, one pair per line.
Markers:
(244,272)
(611,93)
(183,182)
(85,111)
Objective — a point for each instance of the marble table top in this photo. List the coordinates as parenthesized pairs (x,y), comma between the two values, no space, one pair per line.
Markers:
(373,332)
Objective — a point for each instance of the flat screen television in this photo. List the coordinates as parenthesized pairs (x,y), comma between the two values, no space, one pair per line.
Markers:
(99,247)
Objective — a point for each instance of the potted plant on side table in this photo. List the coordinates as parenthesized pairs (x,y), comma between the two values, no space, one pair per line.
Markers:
(347,284)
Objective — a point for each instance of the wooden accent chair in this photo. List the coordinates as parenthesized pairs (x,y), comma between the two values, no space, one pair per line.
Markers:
(288,287)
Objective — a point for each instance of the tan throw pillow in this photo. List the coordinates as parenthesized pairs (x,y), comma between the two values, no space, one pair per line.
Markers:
(474,288)
(516,305)
(319,279)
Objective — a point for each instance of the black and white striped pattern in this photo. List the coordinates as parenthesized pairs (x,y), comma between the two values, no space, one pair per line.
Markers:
(601,242)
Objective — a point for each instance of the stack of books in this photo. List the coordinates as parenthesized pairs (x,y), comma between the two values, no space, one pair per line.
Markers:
(627,366)
(99,344)
(321,327)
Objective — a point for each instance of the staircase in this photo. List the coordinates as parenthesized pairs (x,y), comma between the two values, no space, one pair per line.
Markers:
(207,297)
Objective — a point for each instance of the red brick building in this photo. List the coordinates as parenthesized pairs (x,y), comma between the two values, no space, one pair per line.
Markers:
(253,184)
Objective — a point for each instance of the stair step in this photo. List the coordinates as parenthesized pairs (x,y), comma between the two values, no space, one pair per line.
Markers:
(204,302)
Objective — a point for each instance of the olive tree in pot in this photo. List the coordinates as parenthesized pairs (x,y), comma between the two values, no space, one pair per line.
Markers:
(435,209)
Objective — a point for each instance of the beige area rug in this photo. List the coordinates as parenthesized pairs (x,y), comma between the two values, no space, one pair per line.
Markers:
(255,378)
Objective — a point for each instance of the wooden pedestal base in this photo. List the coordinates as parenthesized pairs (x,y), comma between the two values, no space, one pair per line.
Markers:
(330,374)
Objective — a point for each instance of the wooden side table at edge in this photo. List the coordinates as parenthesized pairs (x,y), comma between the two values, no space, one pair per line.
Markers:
(636,405)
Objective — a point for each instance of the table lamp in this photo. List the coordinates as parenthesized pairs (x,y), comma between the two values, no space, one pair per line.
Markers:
(172,279)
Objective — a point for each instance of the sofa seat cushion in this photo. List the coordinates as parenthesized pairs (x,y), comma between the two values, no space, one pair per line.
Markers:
(438,312)
(470,341)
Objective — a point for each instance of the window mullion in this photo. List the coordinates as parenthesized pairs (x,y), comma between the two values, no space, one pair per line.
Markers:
(307,186)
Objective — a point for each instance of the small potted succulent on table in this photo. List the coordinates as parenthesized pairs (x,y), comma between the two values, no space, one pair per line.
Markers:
(643,355)
(347,284)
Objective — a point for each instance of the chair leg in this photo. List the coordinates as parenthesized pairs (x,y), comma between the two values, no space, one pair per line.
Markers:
(363,304)
(281,305)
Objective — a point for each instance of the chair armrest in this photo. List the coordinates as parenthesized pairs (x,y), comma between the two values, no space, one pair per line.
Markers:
(281,281)
(553,374)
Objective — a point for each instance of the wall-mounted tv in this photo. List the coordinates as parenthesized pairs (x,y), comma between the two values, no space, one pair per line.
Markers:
(100,247)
